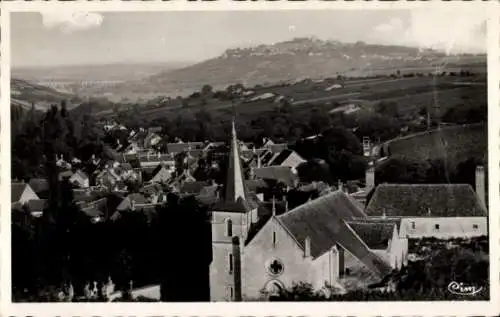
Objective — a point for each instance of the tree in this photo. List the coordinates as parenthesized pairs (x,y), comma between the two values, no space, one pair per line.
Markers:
(187,277)
(206,90)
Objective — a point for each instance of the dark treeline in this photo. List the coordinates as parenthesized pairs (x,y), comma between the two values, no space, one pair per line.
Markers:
(64,247)
(134,249)
(37,138)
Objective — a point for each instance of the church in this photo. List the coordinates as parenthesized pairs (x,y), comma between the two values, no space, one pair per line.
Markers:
(316,243)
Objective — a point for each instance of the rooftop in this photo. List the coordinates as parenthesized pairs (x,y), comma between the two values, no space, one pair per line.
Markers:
(424,200)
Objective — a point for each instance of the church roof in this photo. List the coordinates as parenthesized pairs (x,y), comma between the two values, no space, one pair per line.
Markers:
(236,193)
(323,221)
(424,200)
(376,235)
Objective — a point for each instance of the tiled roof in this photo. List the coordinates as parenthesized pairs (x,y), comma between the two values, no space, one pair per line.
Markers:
(193,187)
(395,220)
(267,157)
(376,235)
(323,221)
(277,148)
(182,147)
(92,211)
(254,185)
(152,188)
(17,190)
(209,191)
(39,184)
(155,129)
(65,174)
(281,157)
(282,174)
(37,204)
(423,200)
(138,198)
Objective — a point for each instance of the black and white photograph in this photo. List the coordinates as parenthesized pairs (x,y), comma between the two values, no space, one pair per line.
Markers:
(250,156)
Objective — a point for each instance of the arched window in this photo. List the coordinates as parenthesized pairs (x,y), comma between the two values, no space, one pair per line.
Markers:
(230,263)
(229,227)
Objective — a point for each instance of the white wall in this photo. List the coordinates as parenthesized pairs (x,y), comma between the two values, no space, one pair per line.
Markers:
(449,227)
(261,251)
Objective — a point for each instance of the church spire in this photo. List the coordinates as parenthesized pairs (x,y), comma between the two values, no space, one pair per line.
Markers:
(235,187)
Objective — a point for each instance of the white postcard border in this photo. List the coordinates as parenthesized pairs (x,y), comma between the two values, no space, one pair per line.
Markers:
(470,308)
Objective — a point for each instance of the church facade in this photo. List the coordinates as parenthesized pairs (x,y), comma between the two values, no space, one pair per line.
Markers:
(255,256)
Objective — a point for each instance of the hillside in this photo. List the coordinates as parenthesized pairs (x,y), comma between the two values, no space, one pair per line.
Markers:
(105,72)
(24,93)
(291,60)
(451,143)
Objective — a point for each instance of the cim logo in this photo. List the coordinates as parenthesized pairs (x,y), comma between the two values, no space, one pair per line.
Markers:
(462,289)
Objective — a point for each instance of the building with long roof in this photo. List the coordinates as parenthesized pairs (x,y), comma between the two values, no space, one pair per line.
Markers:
(256,253)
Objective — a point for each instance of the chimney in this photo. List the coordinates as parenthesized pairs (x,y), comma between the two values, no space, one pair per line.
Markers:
(286,205)
(307,247)
(132,204)
(481,185)
(370,176)
(259,164)
(340,185)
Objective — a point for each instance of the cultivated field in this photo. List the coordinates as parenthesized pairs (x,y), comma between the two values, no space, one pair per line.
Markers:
(450,144)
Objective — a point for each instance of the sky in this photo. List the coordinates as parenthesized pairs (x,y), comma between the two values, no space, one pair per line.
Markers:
(83,38)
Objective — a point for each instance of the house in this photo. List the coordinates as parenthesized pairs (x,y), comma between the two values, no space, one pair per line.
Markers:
(332,87)
(36,207)
(61,162)
(361,194)
(21,193)
(382,238)
(133,148)
(156,159)
(310,243)
(132,201)
(40,186)
(288,158)
(281,174)
(264,96)
(65,175)
(402,234)
(193,188)
(79,179)
(151,139)
(174,148)
(93,213)
(432,210)
(161,174)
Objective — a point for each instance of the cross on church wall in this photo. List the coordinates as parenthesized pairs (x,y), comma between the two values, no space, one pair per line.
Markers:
(276,267)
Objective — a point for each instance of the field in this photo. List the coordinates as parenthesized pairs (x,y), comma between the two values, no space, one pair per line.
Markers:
(410,93)
(452,143)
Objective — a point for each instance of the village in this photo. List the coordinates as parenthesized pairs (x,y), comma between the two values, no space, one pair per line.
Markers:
(337,238)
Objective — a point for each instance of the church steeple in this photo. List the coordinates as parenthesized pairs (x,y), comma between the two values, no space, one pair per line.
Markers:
(235,186)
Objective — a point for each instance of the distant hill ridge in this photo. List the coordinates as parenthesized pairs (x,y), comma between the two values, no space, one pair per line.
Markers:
(24,93)
(288,60)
